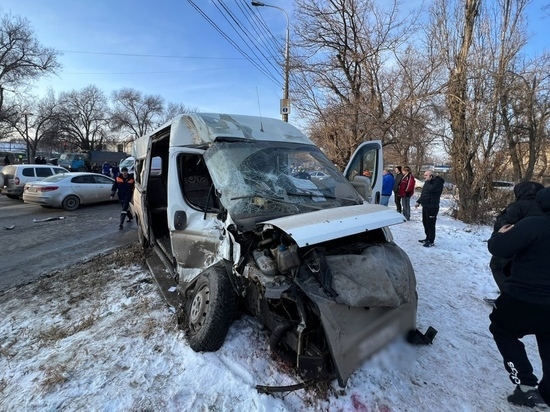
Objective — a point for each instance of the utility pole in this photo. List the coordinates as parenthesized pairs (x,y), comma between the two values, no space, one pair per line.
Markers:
(285,101)
(27,114)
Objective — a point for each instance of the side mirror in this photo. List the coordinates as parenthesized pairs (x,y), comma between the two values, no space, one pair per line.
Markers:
(180,220)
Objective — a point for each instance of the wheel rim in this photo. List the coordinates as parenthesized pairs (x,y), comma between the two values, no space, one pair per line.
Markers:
(199,308)
(71,203)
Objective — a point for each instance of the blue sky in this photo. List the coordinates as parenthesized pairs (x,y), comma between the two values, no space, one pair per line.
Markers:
(205,72)
(199,68)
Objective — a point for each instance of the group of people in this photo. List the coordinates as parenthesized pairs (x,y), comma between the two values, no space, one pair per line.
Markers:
(40,160)
(402,186)
(107,169)
(519,264)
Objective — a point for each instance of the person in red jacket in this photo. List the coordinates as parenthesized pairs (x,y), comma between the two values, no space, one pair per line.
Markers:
(124,184)
(406,190)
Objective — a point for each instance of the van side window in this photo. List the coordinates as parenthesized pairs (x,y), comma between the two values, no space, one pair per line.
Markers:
(138,167)
(364,166)
(195,181)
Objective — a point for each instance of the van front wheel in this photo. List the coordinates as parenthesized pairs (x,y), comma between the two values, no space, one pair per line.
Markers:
(210,311)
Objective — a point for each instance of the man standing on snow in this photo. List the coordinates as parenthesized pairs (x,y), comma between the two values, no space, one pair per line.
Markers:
(397,181)
(429,199)
(387,187)
(124,184)
(523,307)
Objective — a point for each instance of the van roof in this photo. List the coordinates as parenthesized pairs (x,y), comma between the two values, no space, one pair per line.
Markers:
(196,129)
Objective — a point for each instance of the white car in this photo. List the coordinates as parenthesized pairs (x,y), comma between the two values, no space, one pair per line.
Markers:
(317,174)
(69,190)
(14,177)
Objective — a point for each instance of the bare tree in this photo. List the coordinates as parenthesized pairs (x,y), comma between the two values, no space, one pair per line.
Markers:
(480,46)
(83,118)
(525,113)
(356,81)
(173,109)
(22,58)
(134,112)
(34,128)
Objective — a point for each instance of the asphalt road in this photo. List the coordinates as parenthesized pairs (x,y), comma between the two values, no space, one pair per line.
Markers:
(33,249)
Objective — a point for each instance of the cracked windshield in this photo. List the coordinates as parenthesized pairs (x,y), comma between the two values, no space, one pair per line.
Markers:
(259,178)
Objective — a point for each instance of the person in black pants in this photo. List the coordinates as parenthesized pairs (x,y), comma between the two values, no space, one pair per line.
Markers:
(124,184)
(397,182)
(524,206)
(429,199)
(523,307)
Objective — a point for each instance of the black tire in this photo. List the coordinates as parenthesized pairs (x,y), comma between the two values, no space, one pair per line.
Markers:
(210,311)
(13,196)
(70,203)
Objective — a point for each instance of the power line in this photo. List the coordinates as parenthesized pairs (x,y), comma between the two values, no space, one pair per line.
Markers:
(233,43)
(248,41)
(255,21)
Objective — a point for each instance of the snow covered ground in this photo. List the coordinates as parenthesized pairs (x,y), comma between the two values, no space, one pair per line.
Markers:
(100,338)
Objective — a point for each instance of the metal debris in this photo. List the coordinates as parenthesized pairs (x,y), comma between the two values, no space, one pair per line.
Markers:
(48,219)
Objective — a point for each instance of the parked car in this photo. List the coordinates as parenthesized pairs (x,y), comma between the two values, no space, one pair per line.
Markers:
(14,177)
(316,263)
(130,161)
(418,184)
(69,190)
(317,174)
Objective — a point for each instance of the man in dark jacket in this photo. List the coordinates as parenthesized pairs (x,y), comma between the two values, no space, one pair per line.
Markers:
(397,181)
(429,199)
(523,307)
(524,206)
(124,184)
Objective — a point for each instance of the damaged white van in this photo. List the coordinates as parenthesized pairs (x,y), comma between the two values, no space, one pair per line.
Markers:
(240,225)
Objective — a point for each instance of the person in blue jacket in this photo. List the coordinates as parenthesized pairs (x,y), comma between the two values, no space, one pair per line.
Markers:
(106,169)
(387,187)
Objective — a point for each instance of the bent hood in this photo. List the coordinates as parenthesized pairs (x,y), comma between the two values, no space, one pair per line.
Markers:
(327,224)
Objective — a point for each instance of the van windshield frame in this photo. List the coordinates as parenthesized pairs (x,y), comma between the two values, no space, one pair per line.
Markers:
(260,180)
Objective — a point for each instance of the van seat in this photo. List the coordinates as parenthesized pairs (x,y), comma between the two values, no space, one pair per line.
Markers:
(363,186)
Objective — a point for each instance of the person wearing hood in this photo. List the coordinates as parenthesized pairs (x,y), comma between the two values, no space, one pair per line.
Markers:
(523,307)
(524,206)
(429,199)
